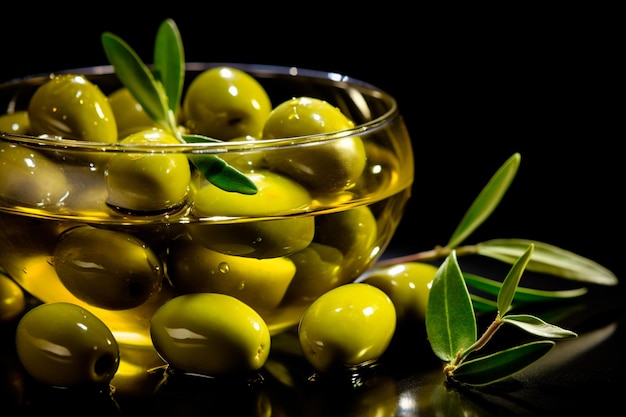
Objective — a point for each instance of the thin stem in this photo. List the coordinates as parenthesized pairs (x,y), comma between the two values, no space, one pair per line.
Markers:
(437,252)
(480,343)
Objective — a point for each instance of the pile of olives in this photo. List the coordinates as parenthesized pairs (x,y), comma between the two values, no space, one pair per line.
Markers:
(136,243)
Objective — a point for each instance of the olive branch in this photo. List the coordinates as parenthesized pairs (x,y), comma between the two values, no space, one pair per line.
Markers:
(451,325)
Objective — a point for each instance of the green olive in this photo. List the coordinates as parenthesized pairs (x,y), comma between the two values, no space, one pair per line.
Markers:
(347,327)
(71,106)
(246,161)
(354,232)
(225,103)
(210,334)
(318,269)
(260,283)
(277,195)
(106,268)
(29,178)
(148,182)
(329,167)
(408,286)
(130,117)
(16,123)
(12,299)
(62,344)
(258,239)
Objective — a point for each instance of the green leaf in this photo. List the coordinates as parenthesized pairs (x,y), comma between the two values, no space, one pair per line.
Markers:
(136,76)
(159,93)
(486,202)
(522,294)
(169,63)
(538,327)
(450,320)
(194,138)
(222,175)
(548,259)
(509,286)
(482,304)
(497,366)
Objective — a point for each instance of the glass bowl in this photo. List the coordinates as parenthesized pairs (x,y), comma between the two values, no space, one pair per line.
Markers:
(61,238)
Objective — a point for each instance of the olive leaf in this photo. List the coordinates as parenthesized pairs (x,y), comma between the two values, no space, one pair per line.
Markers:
(169,63)
(138,78)
(522,294)
(510,283)
(159,94)
(482,304)
(486,201)
(548,259)
(536,326)
(450,319)
(222,175)
(500,365)
(451,340)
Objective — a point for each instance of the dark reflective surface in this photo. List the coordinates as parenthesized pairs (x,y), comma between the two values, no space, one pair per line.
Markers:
(582,374)
(541,83)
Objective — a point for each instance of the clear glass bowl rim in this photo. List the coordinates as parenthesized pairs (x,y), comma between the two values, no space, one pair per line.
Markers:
(341,80)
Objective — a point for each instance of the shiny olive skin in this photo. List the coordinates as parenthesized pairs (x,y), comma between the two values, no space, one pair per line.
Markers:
(326,168)
(354,233)
(245,161)
(225,103)
(148,182)
(107,268)
(16,123)
(63,344)
(277,195)
(28,177)
(347,327)
(210,334)
(318,269)
(12,299)
(408,286)
(260,283)
(130,117)
(71,106)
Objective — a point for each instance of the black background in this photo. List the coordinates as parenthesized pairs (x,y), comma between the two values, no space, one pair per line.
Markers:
(475,86)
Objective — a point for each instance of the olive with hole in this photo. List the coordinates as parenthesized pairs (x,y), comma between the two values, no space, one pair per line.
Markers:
(354,232)
(277,195)
(106,268)
(346,328)
(210,334)
(30,178)
(16,123)
(328,167)
(71,106)
(225,103)
(148,181)
(12,299)
(408,286)
(260,283)
(65,345)
(130,117)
